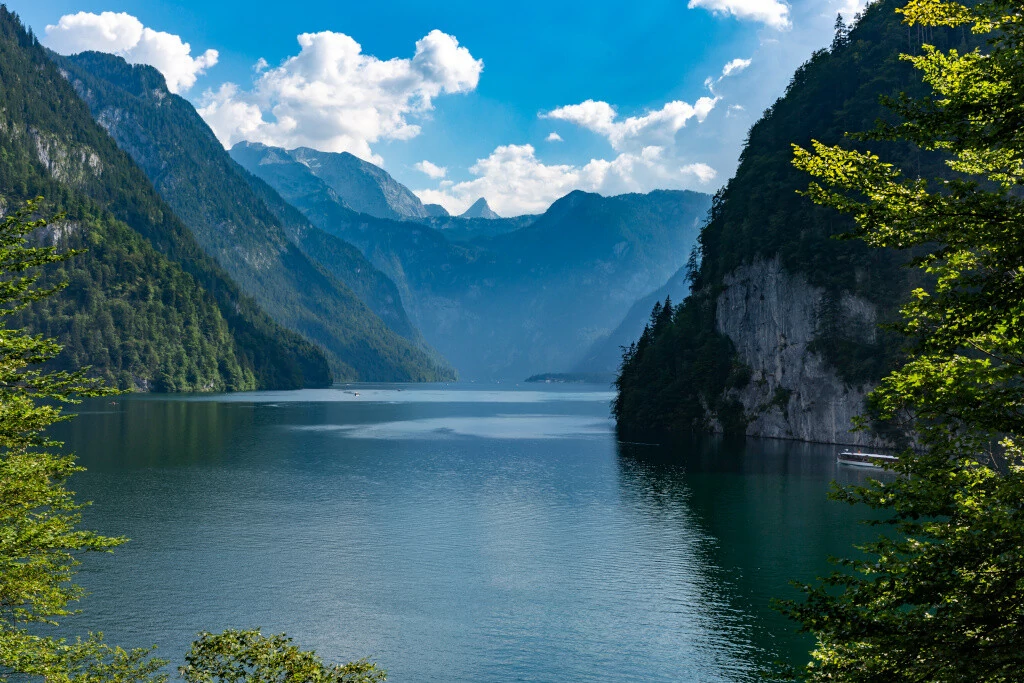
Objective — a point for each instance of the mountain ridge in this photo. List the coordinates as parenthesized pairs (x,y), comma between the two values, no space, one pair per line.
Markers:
(192,171)
(146,308)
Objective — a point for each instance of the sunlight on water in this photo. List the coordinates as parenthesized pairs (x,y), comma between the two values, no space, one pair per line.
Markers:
(497,427)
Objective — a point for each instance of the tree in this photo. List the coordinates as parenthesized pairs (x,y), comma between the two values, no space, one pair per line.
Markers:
(940,595)
(250,657)
(39,541)
(842,35)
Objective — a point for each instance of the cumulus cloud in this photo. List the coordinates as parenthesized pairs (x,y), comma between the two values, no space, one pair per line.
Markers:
(735,66)
(432,170)
(774,13)
(655,127)
(514,181)
(648,157)
(332,97)
(124,35)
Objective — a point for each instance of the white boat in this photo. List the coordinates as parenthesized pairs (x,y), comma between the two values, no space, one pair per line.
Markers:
(859,459)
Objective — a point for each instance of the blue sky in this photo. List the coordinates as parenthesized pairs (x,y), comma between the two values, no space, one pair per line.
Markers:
(640,96)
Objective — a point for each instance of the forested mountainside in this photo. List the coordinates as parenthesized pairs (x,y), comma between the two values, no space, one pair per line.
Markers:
(510,305)
(232,222)
(780,336)
(145,307)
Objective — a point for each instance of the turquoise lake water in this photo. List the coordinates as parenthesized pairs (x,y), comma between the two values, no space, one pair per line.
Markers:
(455,533)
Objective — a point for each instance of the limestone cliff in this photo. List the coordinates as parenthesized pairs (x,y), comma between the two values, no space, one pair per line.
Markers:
(771,317)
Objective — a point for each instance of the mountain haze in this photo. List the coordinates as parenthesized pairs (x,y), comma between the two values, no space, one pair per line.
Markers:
(530,299)
(605,354)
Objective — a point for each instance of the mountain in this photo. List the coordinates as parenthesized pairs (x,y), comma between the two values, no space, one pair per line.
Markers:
(459,229)
(605,354)
(436,211)
(231,221)
(145,306)
(480,209)
(529,300)
(781,336)
(361,186)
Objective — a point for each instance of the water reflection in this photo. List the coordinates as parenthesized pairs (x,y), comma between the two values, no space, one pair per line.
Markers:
(764,503)
(134,433)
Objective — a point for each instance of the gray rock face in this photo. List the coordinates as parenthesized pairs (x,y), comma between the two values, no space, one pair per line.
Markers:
(770,316)
(480,209)
(362,186)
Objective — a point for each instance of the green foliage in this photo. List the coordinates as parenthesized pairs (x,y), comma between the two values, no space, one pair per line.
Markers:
(145,306)
(250,657)
(39,541)
(683,369)
(759,215)
(940,597)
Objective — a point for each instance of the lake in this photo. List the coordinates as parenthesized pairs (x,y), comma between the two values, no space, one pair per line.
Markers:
(456,533)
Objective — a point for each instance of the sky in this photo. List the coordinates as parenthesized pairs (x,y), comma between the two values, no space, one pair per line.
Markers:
(517,102)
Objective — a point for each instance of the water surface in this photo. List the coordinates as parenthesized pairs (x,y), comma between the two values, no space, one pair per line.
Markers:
(451,534)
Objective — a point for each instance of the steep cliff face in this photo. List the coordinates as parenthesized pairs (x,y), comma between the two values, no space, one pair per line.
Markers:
(772,318)
(780,335)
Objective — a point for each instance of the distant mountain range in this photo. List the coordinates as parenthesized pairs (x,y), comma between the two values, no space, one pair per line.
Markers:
(506,298)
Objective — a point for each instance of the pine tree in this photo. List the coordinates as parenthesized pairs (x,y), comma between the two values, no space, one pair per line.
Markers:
(842,35)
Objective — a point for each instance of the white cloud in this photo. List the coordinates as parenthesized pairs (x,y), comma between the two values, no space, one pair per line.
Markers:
(656,127)
(735,66)
(553,137)
(774,13)
(850,8)
(332,97)
(433,170)
(124,35)
(703,172)
(648,157)
(515,181)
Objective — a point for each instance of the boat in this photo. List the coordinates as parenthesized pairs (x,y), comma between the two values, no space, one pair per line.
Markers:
(859,459)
